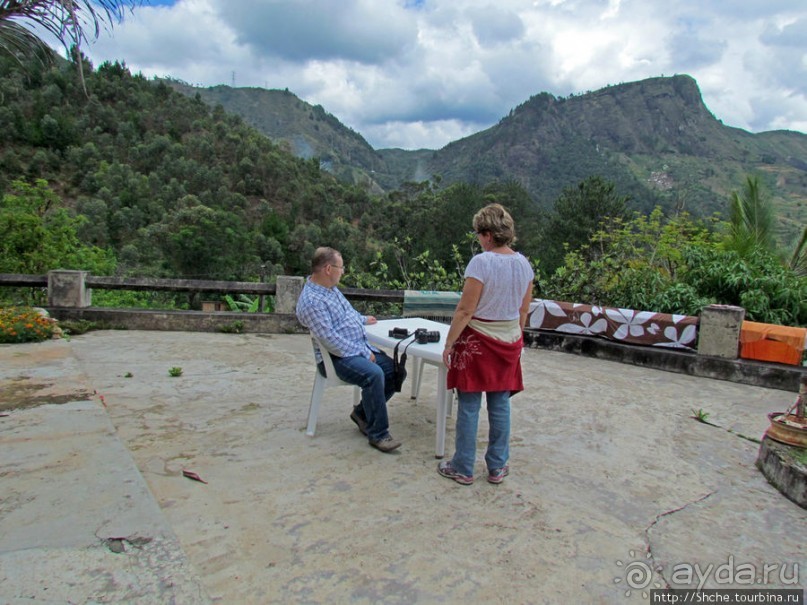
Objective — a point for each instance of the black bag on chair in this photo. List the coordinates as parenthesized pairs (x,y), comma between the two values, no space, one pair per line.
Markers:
(399,368)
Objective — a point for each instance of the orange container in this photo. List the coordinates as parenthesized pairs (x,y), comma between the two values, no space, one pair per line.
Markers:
(769,342)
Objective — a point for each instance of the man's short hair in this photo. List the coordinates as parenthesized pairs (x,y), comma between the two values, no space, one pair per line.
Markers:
(323,256)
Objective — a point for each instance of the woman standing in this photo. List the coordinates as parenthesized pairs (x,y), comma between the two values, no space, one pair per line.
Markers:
(483,346)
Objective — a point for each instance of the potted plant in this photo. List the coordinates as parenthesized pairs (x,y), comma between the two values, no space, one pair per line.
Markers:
(790,427)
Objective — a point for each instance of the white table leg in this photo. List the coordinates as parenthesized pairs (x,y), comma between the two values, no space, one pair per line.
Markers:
(443,405)
(417,370)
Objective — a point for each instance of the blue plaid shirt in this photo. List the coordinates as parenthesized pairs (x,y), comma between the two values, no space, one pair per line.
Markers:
(333,320)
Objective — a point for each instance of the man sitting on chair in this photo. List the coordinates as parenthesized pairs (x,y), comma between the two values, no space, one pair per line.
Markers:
(325,311)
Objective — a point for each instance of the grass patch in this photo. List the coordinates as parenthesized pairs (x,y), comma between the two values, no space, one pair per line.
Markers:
(236,327)
(76,327)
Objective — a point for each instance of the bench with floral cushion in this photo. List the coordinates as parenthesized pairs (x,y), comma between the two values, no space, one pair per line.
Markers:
(622,325)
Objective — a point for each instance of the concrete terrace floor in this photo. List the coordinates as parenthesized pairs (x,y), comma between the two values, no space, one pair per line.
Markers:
(610,472)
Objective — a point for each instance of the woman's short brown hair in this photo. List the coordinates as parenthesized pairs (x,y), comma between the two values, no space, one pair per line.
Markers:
(495,220)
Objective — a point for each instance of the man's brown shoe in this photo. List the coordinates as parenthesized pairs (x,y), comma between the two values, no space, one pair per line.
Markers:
(360,422)
(386,444)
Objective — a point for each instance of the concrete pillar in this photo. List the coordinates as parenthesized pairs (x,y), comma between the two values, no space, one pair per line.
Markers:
(719,331)
(66,289)
(287,292)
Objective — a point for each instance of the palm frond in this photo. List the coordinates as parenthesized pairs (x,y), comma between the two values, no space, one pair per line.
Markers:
(67,20)
(751,220)
(52,16)
(19,42)
(798,262)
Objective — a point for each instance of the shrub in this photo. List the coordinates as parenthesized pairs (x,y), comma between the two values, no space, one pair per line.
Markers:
(677,266)
(24,324)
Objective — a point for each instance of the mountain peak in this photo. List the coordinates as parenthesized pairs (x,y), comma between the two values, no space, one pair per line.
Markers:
(634,134)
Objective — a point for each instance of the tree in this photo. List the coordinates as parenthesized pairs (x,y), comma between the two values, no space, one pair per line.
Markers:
(577,215)
(751,220)
(37,235)
(751,228)
(69,21)
(202,242)
(632,263)
(677,265)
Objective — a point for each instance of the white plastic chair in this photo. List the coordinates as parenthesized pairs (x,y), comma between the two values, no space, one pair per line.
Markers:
(323,382)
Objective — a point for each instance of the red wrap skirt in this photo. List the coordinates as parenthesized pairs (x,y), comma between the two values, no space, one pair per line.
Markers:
(482,363)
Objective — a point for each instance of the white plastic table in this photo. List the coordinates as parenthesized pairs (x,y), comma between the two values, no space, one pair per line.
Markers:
(431,353)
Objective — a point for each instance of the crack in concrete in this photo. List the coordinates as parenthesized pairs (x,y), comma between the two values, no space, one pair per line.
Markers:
(732,431)
(648,542)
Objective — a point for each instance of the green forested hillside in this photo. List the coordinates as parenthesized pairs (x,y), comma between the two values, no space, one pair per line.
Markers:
(170,186)
(306,131)
(655,139)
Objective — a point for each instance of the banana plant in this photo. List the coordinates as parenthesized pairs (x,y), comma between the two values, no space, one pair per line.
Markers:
(244,303)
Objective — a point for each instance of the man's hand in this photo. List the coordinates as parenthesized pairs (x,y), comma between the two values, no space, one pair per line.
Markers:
(370,320)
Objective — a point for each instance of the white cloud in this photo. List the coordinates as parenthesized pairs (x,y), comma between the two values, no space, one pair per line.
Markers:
(492,25)
(421,73)
(421,135)
(367,31)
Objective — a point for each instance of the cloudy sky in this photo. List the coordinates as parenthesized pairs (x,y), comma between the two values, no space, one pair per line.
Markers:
(421,73)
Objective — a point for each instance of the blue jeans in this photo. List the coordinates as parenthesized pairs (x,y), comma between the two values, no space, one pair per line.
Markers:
(377,386)
(498,452)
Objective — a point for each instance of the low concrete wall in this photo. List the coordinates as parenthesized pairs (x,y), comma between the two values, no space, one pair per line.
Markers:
(68,289)
(182,321)
(769,375)
(719,331)
(743,371)
(777,463)
(717,359)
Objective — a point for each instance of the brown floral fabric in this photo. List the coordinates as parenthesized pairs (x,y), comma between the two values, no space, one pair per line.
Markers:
(624,325)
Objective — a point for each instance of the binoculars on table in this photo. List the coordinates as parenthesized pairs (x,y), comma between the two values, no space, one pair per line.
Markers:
(422,335)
